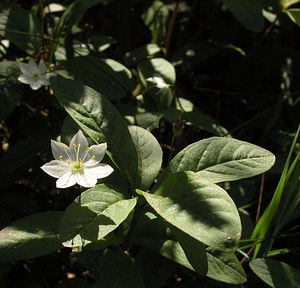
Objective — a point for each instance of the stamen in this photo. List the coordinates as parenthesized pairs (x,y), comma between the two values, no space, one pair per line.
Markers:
(86,153)
(64,147)
(61,157)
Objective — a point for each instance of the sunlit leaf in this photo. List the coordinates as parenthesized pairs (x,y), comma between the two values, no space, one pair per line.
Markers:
(220,159)
(149,156)
(198,208)
(100,120)
(95,213)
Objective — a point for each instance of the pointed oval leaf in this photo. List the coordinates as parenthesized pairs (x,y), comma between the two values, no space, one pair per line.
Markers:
(110,78)
(157,66)
(248,13)
(95,213)
(220,159)
(33,236)
(72,15)
(118,271)
(225,267)
(199,208)
(294,14)
(11,90)
(275,273)
(21,27)
(154,234)
(100,120)
(149,156)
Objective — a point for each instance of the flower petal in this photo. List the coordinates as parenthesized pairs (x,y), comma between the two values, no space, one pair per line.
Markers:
(59,149)
(24,68)
(98,171)
(67,180)
(56,168)
(85,180)
(42,67)
(34,85)
(79,138)
(95,154)
(25,79)
(33,68)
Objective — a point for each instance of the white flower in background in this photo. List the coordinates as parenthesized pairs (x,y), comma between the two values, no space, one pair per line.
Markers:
(77,163)
(158,81)
(34,75)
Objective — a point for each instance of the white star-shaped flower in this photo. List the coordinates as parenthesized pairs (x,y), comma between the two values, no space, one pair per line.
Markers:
(158,81)
(34,75)
(77,163)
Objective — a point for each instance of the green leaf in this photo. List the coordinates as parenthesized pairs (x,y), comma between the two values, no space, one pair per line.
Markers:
(32,236)
(149,156)
(194,251)
(198,208)
(276,274)
(95,213)
(156,17)
(220,159)
(117,271)
(157,66)
(248,13)
(24,151)
(225,267)
(72,15)
(100,120)
(205,122)
(141,54)
(192,54)
(10,89)
(148,120)
(287,3)
(154,268)
(294,14)
(152,233)
(20,27)
(108,77)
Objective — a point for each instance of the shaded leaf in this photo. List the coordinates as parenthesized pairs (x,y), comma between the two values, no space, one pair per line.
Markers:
(72,15)
(10,89)
(225,267)
(198,208)
(110,78)
(25,150)
(248,13)
(21,27)
(220,159)
(276,274)
(118,271)
(95,213)
(141,54)
(30,237)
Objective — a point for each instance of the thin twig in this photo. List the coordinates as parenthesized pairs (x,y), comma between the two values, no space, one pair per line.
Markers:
(170,29)
(260,198)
